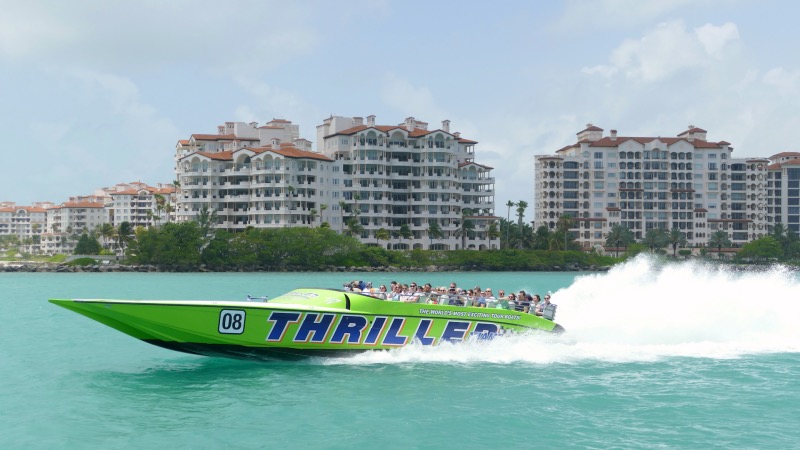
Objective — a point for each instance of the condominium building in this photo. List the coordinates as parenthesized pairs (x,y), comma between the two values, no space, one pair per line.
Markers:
(255,176)
(642,183)
(388,177)
(24,222)
(139,204)
(405,175)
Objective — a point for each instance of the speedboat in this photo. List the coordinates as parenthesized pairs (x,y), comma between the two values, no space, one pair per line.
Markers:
(304,322)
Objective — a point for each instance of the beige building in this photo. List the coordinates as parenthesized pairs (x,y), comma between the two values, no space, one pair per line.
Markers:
(685,182)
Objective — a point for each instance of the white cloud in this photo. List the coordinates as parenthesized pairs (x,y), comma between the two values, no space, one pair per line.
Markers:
(666,50)
(787,82)
(714,38)
(581,15)
(409,100)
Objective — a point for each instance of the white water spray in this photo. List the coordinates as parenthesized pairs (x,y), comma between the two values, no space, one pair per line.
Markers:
(644,311)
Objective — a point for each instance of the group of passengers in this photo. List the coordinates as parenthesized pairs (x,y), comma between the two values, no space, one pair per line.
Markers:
(425,293)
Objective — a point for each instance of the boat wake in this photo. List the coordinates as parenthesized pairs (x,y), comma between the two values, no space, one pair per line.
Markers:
(645,310)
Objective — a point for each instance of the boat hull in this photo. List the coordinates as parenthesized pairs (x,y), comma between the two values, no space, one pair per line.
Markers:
(303,323)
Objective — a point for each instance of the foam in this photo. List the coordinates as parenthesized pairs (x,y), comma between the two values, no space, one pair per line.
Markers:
(645,310)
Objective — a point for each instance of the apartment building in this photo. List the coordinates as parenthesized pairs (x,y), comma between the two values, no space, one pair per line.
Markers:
(685,182)
(139,204)
(25,222)
(389,176)
(250,175)
(783,190)
(406,175)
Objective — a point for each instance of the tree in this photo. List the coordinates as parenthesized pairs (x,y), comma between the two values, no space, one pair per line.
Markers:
(342,207)
(161,203)
(541,239)
(492,231)
(521,206)
(108,233)
(382,235)
(655,239)
(405,231)
(354,227)
(467,227)
(718,240)
(510,205)
(619,236)
(206,219)
(563,225)
(322,208)
(312,216)
(87,246)
(124,234)
(762,249)
(676,238)
(434,230)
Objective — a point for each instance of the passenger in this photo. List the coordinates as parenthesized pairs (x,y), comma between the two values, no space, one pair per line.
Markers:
(381,294)
(521,296)
(535,302)
(491,300)
(453,289)
(396,294)
(470,300)
(544,305)
(526,303)
(480,299)
(367,289)
(512,302)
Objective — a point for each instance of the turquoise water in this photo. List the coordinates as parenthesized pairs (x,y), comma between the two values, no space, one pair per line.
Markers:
(677,357)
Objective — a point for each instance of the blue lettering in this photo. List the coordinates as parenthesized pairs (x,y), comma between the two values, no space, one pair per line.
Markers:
(455,331)
(485,331)
(352,326)
(375,331)
(422,330)
(392,337)
(315,325)
(281,322)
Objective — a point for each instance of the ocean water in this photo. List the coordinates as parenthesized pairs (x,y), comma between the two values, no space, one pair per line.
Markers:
(676,356)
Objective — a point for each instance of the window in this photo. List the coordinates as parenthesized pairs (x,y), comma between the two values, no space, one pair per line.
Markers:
(598,155)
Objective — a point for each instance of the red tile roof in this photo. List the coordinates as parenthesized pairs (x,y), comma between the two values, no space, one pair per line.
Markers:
(460,165)
(214,137)
(590,128)
(785,154)
(82,205)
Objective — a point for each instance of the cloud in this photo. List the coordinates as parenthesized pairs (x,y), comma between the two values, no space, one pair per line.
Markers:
(667,50)
(584,16)
(237,35)
(409,100)
(787,82)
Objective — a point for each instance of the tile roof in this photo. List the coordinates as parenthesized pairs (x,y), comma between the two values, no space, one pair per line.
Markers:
(460,165)
(214,137)
(82,205)
(608,142)
(785,154)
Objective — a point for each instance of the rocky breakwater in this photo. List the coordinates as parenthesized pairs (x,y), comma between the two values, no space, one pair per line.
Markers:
(69,268)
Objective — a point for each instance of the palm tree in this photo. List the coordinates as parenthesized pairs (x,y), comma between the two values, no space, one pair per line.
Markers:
(521,206)
(563,225)
(676,238)
(492,231)
(322,208)
(342,207)
(382,234)
(655,238)
(434,230)
(467,227)
(718,240)
(107,232)
(619,236)
(510,205)
(354,227)
(124,233)
(312,216)
(160,203)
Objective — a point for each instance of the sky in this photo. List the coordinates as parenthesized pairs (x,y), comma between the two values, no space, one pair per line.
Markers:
(95,93)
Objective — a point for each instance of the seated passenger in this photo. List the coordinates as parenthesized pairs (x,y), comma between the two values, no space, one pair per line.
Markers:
(535,301)
(381,294)
(512,301)
(545,303)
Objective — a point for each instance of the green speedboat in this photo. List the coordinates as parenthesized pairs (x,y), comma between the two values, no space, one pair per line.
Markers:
(303,323)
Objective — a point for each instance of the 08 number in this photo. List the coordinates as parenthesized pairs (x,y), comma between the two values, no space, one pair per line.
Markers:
(231,321)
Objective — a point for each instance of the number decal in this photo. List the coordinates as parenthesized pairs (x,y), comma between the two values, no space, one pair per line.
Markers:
(231,321)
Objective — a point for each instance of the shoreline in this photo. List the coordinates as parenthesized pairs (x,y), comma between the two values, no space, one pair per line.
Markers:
(34,267)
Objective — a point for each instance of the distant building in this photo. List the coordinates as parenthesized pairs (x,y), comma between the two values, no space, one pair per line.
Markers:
(387,177)
(684,182)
